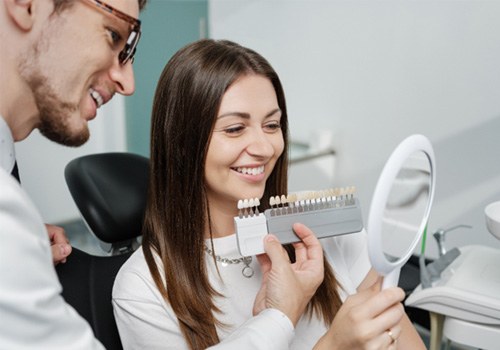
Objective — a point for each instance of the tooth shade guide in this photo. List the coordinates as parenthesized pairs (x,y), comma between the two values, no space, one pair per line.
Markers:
(328,213)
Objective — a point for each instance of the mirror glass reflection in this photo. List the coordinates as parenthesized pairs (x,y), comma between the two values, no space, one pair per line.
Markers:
(406,206)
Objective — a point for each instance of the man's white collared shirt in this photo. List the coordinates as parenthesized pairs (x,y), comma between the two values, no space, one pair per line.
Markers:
(7,151)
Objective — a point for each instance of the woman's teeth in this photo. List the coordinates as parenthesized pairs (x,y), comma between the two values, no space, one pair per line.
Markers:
(251,171)
(97,97)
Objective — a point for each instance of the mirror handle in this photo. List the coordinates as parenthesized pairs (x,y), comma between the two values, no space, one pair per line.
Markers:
(391,279)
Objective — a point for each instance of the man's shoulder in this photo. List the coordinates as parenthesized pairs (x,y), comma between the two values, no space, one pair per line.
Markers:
(16,208)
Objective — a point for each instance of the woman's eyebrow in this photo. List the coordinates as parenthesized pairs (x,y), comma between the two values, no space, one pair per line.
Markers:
(247,115)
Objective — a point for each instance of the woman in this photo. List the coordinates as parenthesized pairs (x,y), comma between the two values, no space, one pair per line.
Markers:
(220,134)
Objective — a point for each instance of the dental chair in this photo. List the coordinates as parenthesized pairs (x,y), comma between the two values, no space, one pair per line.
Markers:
(110,190)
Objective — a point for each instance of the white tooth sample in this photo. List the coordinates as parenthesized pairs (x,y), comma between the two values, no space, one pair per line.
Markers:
(283,199)
(277,200)
(251,203)
(245,203)
(240,204)
(271,201)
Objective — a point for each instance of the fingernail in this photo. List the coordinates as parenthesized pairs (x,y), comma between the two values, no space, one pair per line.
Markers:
(270,238)
(64,249)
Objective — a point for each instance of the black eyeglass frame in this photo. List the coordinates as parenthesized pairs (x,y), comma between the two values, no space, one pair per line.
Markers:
(128,52)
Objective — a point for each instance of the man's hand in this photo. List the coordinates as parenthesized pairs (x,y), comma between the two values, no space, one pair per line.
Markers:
(59,243)
(285,286)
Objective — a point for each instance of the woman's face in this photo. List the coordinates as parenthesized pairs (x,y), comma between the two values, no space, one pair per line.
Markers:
(245,144)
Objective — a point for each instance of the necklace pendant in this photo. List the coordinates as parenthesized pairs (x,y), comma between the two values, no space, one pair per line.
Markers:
(223,263)
(247,271)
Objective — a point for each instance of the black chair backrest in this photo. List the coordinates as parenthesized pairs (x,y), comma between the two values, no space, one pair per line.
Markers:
(110,191)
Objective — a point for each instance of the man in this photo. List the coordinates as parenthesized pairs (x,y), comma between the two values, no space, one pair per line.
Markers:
(61,60)
(76,79)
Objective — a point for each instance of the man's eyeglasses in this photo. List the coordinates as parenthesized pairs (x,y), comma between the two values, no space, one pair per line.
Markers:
(128,52)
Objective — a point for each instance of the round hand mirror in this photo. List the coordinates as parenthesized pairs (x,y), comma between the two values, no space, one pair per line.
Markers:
(400,206)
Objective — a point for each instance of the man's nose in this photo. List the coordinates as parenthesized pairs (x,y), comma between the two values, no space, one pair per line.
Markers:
(123,77)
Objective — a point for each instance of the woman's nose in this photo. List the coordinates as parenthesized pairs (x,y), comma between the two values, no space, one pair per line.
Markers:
(260,145)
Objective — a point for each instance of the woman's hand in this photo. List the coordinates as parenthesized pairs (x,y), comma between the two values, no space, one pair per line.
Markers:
(285,286)
(369,319)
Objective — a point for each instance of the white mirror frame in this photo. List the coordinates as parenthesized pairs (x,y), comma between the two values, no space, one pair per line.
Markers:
(390,269)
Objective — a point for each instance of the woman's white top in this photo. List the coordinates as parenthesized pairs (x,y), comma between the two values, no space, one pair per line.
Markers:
(146,321)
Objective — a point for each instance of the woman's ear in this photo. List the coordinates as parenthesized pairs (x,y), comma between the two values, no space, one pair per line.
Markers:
(20,12)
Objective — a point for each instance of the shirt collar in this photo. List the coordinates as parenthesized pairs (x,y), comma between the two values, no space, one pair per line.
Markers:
(7,151)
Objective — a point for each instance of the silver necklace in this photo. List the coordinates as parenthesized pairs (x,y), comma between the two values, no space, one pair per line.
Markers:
(247,270)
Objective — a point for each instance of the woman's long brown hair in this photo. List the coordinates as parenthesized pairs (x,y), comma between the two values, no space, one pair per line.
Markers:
(186,103)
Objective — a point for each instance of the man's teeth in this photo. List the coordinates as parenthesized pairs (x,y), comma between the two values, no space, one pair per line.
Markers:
(251,171)
(97,97)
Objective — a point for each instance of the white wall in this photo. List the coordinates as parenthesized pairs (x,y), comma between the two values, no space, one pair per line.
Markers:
(41,162)
(374,72)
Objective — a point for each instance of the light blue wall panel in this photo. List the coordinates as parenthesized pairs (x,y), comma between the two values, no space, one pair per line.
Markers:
(167,26)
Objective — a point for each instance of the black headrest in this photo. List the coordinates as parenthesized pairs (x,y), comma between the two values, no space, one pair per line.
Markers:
(110,191)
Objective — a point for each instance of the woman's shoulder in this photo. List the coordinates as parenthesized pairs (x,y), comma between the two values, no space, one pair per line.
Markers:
(134,278)
(136,263)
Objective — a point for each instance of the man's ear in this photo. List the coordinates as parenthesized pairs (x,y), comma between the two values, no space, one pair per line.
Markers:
(20,12)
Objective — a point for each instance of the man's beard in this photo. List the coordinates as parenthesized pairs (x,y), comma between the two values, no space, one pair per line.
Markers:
(54,118)
(54,113)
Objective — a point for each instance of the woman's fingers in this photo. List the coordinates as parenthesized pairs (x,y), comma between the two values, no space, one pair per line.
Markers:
(309,248)
(274,251)
(372,302)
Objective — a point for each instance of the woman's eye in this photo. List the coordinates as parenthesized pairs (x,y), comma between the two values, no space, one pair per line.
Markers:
(272,126)
(234,129)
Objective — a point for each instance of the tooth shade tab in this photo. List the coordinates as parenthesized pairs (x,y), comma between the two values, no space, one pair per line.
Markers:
(283,199)
(272,202)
